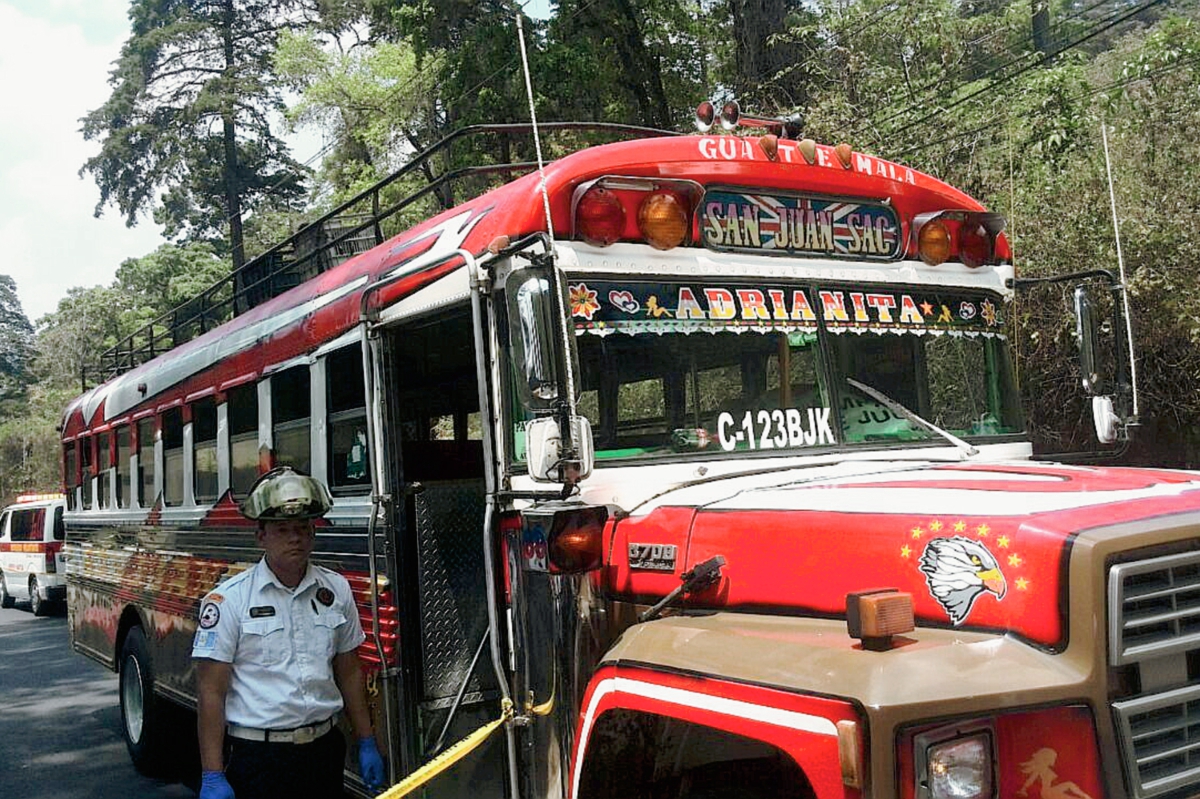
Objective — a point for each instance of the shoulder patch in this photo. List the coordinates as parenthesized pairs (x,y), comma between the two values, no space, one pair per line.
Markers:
(210,614)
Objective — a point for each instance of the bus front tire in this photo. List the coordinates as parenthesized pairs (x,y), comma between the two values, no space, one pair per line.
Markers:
(142,712)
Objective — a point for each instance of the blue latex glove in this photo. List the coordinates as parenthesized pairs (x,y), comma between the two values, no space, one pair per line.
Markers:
(213,785)
(370,764)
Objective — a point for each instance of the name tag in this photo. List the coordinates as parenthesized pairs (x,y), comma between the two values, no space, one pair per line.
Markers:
(261,611)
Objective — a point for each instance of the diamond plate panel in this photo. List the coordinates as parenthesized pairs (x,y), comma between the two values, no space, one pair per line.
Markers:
(449,517)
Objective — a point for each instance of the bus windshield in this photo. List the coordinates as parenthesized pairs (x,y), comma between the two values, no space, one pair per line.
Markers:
(672,369)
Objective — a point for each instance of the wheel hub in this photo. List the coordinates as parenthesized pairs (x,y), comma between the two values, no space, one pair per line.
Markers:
(131,698)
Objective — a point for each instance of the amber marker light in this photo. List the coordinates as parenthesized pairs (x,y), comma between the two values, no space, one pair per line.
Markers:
(600,217)
(933,243)
(663,221)
(575,537)
(770,146)
(849,753)
(808,149)
(844,154)
(875,616)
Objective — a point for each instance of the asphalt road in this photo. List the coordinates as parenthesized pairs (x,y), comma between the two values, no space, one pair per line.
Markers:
(60,723)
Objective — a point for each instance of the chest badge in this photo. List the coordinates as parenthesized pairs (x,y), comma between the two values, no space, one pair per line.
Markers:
(325,596)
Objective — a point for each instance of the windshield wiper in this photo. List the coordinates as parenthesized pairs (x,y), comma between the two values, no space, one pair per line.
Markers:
(896,407)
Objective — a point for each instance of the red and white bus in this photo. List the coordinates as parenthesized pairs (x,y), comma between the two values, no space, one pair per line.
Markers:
(707,460)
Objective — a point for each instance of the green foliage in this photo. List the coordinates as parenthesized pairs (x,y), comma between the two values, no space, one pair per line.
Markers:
(16,344)
(1002,102)
(186,131)
(89,321)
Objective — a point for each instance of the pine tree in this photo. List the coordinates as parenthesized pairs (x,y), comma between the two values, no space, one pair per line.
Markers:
(186,132)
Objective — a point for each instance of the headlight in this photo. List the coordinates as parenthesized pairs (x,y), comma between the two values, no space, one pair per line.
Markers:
(960,768)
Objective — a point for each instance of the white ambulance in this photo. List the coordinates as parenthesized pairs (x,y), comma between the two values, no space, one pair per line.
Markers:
(31,560)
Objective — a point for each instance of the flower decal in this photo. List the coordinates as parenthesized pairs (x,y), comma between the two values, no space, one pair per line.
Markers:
(583,301)
(989,313)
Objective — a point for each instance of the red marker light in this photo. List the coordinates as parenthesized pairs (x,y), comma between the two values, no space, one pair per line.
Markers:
(974,244)
(600,217)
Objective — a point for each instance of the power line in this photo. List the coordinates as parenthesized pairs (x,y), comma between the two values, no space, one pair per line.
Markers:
(1107,24)
(1017,58)
(1117,84)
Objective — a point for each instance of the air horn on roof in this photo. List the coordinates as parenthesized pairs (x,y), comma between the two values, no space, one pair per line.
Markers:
(731,116)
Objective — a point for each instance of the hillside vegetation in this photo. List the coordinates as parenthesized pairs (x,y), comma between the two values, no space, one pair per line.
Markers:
(1008,101)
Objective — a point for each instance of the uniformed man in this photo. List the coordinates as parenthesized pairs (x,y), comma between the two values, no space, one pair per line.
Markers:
(276,661)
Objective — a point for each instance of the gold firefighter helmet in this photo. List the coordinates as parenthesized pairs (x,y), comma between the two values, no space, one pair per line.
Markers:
(284,493)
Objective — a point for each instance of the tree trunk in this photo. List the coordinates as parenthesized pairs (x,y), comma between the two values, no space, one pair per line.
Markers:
(640,70)
(765,82)
(233,200)
(1041,27)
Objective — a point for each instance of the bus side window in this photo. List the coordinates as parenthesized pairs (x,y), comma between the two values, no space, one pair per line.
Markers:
(4,525)
(204,449)
(290,400)
(242,412)
(122,480)
(104,472)
(349,461)
(70,473)
(172,437)
(85,457)
(145,430)
(60,527)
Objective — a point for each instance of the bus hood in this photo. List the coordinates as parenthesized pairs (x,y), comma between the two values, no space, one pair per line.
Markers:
(980,546)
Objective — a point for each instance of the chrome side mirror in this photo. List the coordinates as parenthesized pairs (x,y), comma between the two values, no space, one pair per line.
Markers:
(544,450)
(534,335)
(1087,335)
(1105,419)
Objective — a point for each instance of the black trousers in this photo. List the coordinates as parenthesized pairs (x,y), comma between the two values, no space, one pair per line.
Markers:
(260,770)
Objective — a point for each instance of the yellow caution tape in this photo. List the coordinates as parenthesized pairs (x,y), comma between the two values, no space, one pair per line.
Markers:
(448,758)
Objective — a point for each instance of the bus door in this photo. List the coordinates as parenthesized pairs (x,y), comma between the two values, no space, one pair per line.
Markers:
(429,391)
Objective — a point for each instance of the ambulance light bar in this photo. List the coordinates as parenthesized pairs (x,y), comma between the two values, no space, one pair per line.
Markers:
(48,497)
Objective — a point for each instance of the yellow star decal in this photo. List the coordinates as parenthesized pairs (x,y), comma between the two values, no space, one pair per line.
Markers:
(935,525)
(959,526)
(1014,560)
(905,551)
(1002,542)
(982,531)
(1022,584)
(917,532)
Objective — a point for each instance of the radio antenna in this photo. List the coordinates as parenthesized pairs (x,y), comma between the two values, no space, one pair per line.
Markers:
(537,139)
(1112,198)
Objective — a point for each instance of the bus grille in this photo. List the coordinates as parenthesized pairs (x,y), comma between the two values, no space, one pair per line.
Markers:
(1154,621)
(1154,608)
(1161,734)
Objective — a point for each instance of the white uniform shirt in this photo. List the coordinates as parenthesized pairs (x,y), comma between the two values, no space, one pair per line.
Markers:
(281,642)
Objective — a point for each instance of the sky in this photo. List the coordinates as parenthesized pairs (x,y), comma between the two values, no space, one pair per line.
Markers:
(55,59)
(55,56)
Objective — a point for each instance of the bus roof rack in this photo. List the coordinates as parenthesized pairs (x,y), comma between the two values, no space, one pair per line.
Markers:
(351,228)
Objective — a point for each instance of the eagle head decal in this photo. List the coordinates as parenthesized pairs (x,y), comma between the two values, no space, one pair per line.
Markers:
(958,570)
